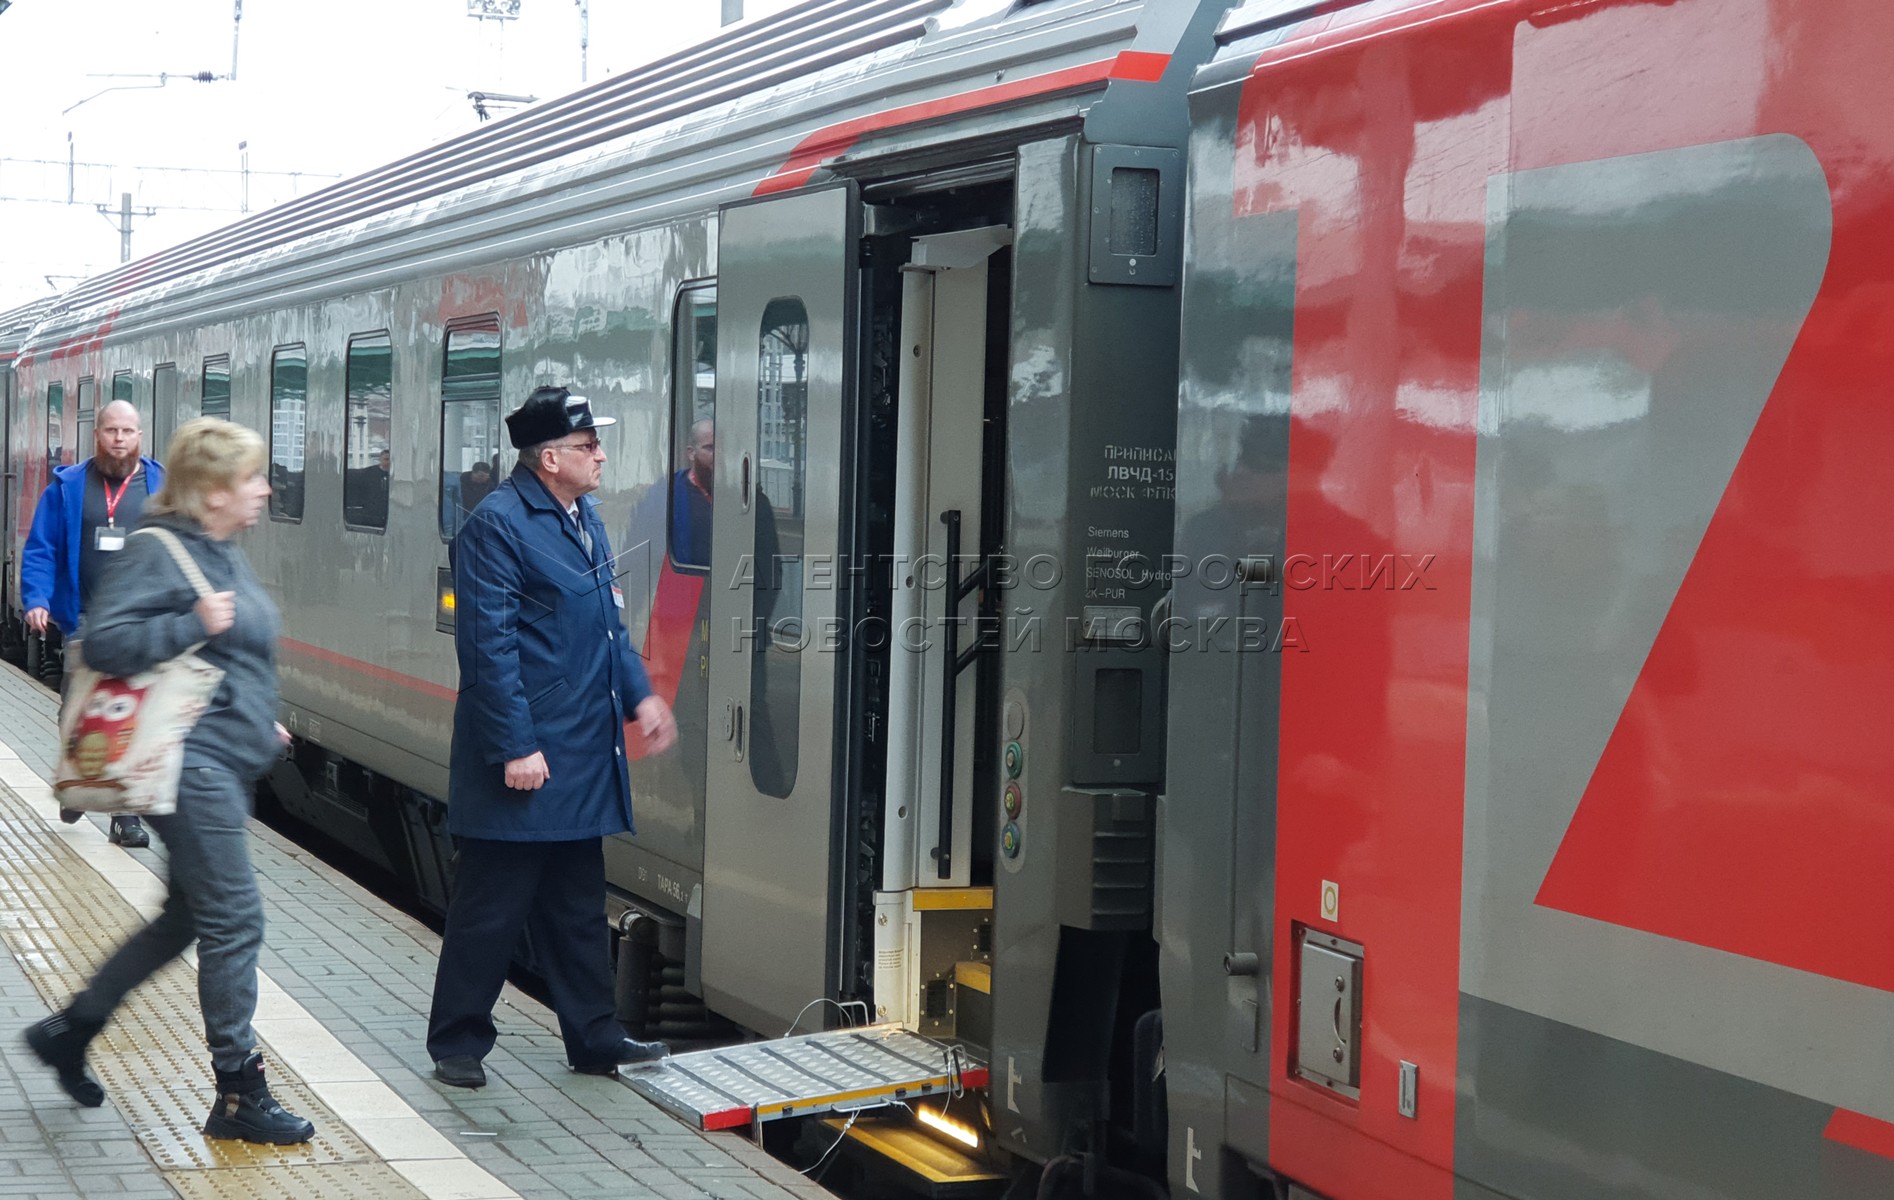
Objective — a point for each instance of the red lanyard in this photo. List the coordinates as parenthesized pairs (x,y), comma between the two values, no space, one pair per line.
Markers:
(111,501)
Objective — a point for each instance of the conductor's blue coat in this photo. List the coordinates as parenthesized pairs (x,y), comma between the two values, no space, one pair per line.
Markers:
(545,665)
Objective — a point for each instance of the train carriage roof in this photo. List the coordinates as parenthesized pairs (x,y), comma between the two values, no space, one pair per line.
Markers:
(761,104)
(16,323)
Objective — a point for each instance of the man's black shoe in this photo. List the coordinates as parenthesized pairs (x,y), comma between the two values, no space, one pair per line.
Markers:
(129,832)
(70,815)
(245,1111)
(461,1070)
(630,1052)
(60,1042)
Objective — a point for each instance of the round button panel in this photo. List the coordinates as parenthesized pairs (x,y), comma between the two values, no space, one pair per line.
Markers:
(1013,801)
(1009,840)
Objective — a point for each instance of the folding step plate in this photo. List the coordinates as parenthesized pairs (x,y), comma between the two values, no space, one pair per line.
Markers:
(839,1070)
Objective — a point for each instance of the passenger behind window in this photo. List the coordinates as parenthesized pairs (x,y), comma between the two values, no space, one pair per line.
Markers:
(367,492)
(691,498)
(476,484)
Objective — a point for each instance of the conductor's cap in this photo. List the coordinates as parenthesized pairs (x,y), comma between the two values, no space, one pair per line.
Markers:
(549,414)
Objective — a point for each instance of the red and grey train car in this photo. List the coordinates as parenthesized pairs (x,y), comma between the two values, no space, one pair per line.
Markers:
(1300,574)
(1538,347)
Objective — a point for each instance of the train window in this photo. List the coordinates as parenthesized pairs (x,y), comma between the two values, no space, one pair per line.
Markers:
(782,401)
(56,425)
(164,407)
(88,406)
(365,436)
(289,433)
(470,419)
(122,390)
(215,397)
(693,426)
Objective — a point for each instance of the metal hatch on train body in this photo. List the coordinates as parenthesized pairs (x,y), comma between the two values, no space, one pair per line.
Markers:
(786,294)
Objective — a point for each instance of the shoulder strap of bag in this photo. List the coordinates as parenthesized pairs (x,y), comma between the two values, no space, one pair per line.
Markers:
(192,573)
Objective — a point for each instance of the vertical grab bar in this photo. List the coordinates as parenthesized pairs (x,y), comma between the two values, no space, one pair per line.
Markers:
(954,662)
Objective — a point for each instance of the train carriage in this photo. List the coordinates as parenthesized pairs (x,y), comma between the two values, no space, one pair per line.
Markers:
(1535,344)
(1299,575)
(915,264)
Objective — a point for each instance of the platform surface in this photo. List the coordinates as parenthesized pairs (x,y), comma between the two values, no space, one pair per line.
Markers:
(342,1017)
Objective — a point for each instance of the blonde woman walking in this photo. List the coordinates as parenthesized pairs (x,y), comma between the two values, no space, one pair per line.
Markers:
(148,613)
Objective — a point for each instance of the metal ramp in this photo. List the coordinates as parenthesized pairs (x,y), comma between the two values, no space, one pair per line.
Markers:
(837,1070)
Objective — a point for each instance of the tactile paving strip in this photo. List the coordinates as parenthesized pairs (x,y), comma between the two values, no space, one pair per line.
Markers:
(61,919)
(337,1181)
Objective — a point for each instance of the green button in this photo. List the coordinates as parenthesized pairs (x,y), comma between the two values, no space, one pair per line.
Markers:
(1009,840)
(1015,760)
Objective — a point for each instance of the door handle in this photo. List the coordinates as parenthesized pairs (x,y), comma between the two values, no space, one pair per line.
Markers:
(746,482)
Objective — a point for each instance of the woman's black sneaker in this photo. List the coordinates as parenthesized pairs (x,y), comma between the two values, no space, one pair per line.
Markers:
(245,1110)
(60,1042)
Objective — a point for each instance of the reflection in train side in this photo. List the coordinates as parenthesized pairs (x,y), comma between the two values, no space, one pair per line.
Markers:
(782,406)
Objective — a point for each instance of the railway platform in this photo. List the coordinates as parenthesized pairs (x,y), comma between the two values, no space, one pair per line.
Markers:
(342,1017)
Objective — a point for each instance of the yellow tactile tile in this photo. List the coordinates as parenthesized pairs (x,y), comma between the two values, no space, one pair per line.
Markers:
(60,918)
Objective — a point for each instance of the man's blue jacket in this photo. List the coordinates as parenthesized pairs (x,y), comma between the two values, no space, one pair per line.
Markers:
(49,565)
(546,665)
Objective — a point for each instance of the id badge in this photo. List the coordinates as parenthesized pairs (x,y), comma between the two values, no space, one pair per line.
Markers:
(618,596)
(108,537)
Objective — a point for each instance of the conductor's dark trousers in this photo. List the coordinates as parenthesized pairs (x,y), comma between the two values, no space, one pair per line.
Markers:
(555,893)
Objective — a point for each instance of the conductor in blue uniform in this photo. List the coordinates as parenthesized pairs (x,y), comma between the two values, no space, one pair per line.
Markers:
(537,775)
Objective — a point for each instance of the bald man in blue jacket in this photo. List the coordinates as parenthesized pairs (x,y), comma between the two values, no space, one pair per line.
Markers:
(82,519)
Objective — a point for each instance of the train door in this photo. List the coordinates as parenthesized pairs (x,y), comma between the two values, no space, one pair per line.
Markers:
(9,480)
(164,408)
(771,908)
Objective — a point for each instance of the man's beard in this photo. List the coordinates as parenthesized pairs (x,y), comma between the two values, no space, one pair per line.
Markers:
(116,468)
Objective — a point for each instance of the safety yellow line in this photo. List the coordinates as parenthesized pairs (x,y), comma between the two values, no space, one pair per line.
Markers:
(944,899)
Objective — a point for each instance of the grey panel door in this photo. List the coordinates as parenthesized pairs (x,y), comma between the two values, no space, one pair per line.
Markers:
(784,295)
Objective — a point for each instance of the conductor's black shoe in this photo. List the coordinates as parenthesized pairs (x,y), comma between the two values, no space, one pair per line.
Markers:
(630,1052)
(70,815)
(60,1042)
(129,832)
(461,1070)
(245,1110)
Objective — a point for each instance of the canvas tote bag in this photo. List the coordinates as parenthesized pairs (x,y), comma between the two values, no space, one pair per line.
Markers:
(121,741)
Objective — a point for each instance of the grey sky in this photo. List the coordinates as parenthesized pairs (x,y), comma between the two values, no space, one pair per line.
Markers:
(324,87)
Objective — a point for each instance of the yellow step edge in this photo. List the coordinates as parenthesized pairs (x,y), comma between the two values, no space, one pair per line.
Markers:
(942,899)
(975,975)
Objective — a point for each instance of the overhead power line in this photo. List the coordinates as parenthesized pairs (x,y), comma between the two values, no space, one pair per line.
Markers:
(60,162)
(209,189)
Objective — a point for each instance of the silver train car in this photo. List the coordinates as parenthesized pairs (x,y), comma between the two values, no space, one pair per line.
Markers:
(915,263)
(1226,577)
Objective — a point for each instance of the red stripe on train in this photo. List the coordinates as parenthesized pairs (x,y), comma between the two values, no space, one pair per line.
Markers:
(369,669)
(1135,66)
(667,645)
(1861,1132)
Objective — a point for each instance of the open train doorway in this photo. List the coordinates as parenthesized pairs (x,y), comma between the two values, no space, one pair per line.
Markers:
(849,824)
